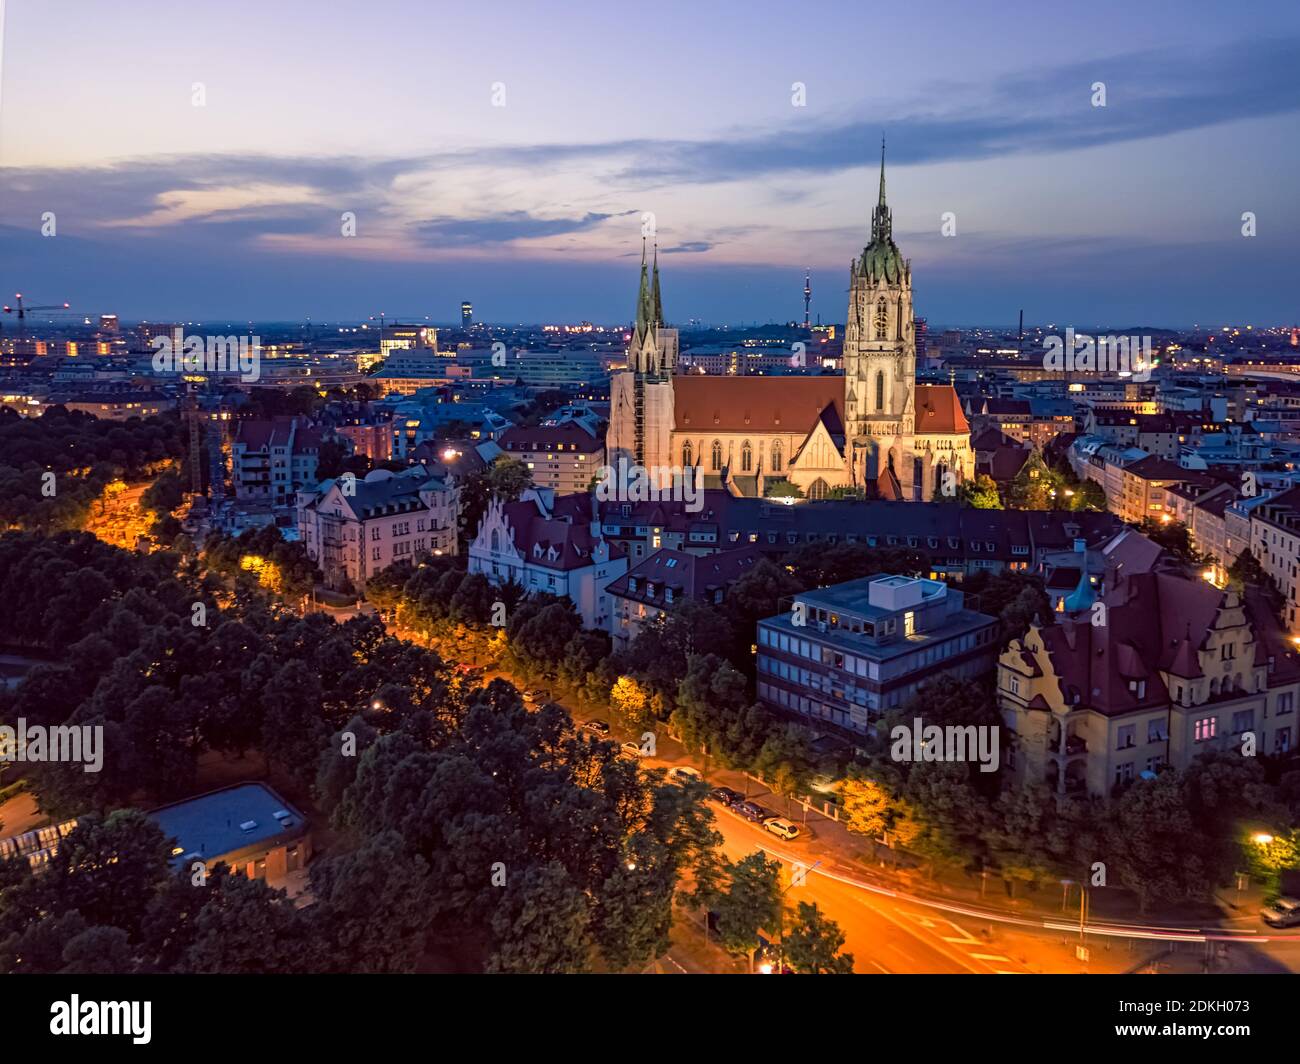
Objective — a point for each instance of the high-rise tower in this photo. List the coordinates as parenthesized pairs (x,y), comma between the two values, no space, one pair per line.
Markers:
(880,357)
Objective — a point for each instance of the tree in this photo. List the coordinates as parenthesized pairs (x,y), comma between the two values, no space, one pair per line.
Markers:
(1036,486)
(752,902)
(820,565)
(1088,496)
(813,945)
(979,494)
(1174,536)
(372,911)
(1014,597)
(629,699)
(866,803)
(540,926)
(783,489)
(1153,845)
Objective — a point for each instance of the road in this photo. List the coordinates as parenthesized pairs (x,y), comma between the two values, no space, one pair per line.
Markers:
(890,932)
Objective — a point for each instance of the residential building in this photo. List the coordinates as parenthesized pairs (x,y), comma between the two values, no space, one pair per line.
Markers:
(549,544)
(666,579)
(272,459)
(1275,543)
(956,541)
(564,457)
(354,528)
(844,655)
(1179,668)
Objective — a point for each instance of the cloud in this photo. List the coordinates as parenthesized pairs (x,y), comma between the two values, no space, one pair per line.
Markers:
(501,228)
(690,247)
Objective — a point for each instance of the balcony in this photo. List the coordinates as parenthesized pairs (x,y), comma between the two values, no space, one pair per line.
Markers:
(1075,746)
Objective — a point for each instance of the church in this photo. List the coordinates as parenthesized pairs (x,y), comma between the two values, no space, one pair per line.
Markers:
(872,429)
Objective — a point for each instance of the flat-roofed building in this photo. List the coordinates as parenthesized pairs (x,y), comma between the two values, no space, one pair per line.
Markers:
(247,826)
(845,655)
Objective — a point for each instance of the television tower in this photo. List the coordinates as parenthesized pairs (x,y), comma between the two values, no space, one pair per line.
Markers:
(807,296)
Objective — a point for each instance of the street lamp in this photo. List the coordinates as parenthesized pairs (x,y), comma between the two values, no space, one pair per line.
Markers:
(1261,838)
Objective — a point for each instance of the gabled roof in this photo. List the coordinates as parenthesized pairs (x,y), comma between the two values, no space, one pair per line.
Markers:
(938,410)
(552,542)
(1156,623)
(704,404)
(391,494)
(689,575)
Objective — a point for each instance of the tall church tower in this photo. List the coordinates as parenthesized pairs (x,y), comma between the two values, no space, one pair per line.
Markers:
(880,360)
(641,396)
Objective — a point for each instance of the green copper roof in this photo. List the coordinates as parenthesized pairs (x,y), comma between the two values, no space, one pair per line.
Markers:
(644,308)
(657,302)
(881,258)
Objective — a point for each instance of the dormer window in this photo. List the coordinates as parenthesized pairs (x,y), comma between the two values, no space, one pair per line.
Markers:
(668,594)
(631,583)
(650,589)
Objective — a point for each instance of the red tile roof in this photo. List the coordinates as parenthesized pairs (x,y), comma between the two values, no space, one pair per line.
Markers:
(938,410)
(753,404)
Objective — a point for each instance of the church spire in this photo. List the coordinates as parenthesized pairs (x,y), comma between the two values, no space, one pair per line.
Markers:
(644,310)
(881,257)
(658,303)
(881,219)
(882,170)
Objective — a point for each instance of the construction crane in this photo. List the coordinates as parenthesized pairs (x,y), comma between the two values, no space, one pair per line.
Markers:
(22,310)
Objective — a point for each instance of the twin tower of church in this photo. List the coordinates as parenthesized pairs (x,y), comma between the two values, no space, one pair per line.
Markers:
(873,429)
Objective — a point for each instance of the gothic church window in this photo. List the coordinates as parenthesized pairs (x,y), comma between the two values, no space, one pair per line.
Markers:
(880,390)
(716,456)
(777,456)
(746,457)
(818,489)
(882,320)
(688,454)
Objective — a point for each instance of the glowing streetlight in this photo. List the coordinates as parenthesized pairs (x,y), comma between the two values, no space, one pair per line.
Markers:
(1261,838)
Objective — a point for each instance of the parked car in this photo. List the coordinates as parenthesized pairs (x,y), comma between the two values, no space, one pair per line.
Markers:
(600,727)
(751,811)
(1282,912)
(778,825)
(726,796)
(535,696)
(684,774)
(631,749)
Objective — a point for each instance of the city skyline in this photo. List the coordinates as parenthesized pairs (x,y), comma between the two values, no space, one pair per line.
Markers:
(1131,212)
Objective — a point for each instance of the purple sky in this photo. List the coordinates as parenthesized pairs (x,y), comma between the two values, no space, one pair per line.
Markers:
(1128,214)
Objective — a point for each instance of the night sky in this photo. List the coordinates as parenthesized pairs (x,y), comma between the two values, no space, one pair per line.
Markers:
(1128,214)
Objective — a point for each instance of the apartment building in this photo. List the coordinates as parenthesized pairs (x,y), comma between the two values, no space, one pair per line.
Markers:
(956,541)
(354,528)
(1179,668)
(564,457)
(550,544)
(1163,435)
(666,579)
(1034,421)
(845,655)
(272,459)
(1275,543)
